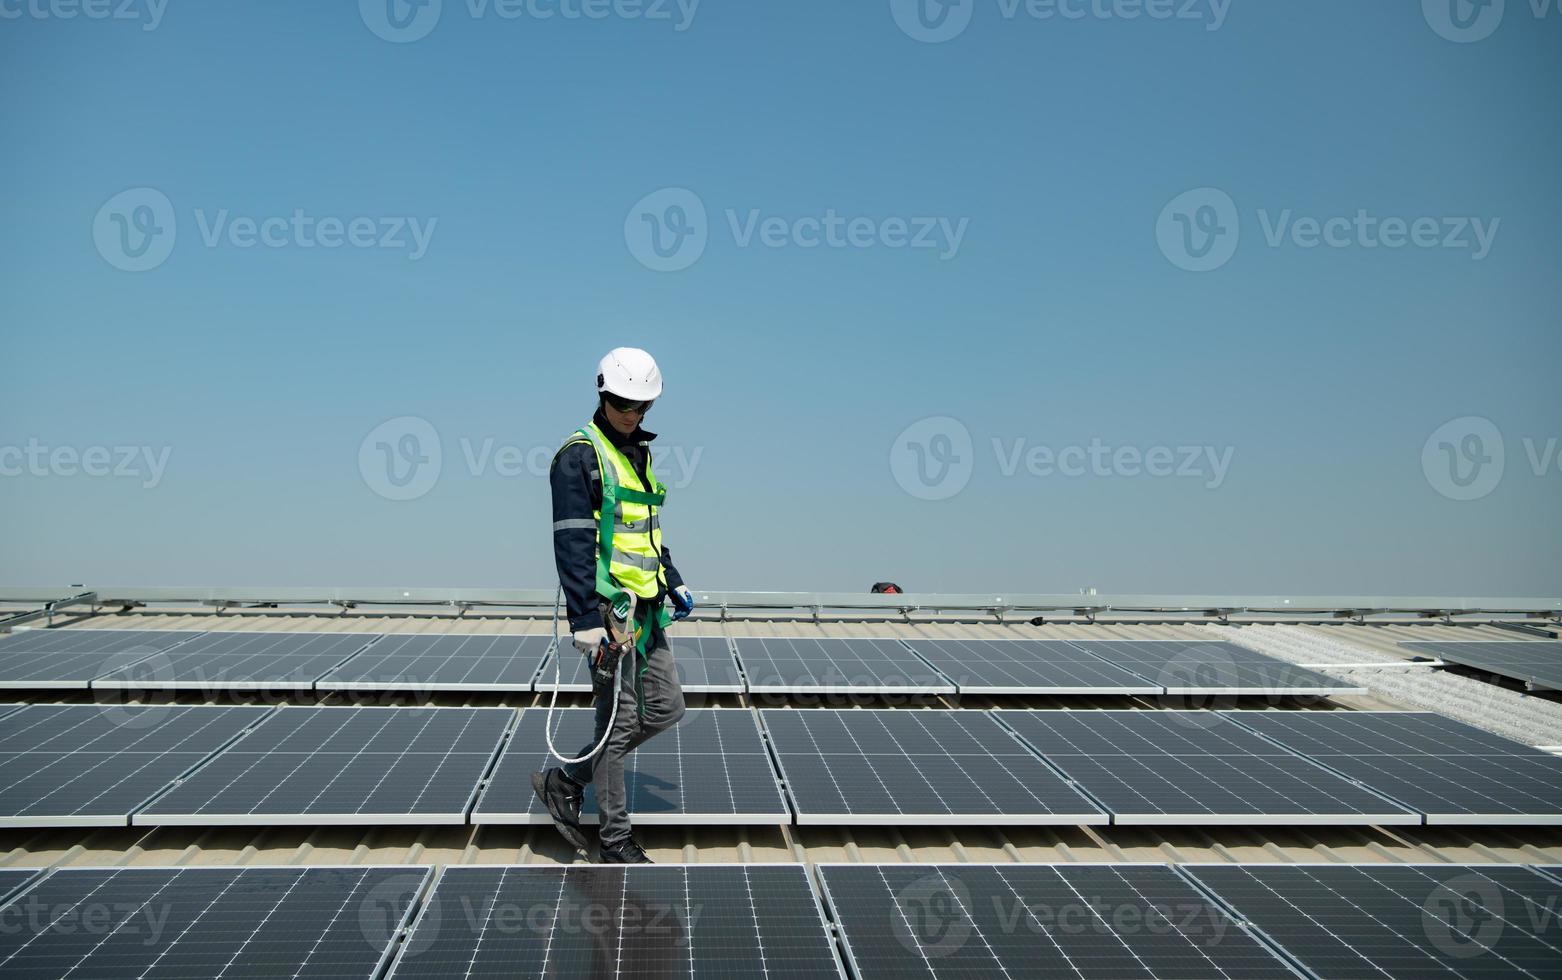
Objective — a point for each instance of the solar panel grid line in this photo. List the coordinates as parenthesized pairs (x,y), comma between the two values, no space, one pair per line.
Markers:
(1170,768)
(712,768)
(428,662)
(1427,775)
(1396,921)
(14,880)
(930,665)
(1246,672)
(1538,663)
(253,779)
(752,919)
(1027,919)
(190,657)
(1023,786)
(54,665)
(197,765)
(85,796)
(834,665)
(248,901)
(705,665)
(1044,672)
(1057,770)
(1263,938)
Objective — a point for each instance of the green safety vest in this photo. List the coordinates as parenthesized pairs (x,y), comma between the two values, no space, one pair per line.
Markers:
(629,534)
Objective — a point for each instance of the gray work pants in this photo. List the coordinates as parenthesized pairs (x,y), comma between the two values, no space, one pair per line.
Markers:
(663,708)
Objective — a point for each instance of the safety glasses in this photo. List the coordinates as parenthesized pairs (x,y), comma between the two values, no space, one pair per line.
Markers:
(627,405)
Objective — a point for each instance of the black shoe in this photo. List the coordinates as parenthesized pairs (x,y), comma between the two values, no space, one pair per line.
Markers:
(562,798)
(626,851)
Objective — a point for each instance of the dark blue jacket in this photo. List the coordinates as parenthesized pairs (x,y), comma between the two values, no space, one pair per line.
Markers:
(577,491)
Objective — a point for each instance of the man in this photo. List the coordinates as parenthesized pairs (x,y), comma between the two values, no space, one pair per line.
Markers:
(616,576)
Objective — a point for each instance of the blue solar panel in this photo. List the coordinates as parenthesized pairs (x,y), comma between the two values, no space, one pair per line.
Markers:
(71,658)
(711,767)
(240,662)
(95,764)
(343,765)
(321,923)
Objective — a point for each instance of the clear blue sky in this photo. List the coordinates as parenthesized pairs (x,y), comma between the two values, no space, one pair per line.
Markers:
(1054,143)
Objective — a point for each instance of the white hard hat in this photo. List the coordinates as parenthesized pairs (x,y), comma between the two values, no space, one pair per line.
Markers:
(631,373)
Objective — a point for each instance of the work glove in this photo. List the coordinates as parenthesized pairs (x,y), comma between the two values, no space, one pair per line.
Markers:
(683,602)
(587,641)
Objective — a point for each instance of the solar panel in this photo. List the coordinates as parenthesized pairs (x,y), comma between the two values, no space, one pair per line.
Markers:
(1394,921)
(342,766)
(70,658)
(927,767)
(1451,772)
(316,922)
(709,768)
(670,920)
(704,665)
(92,765)
(797,665)
(1184,767)
(1538,663)
(1027,667)
(1036,920)
(240,662)
(442,663)
(1204,668)
(12,879)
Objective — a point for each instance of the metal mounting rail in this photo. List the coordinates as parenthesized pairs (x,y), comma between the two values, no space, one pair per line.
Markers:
(1335,608)
(48,610)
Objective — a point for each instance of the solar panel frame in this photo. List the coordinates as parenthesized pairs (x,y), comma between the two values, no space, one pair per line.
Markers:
(1395,943)
(821,671)
(1492,657)
(832,877)
(195,655)
(401,968)
(75,671)
(369,669)
(14,880)
(496,805)
(1241,662)
(182,805)
(1418,778)
(691,666)
(1128,682)
(136,775)
(1088,812)
(300,872)
(1172,767)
